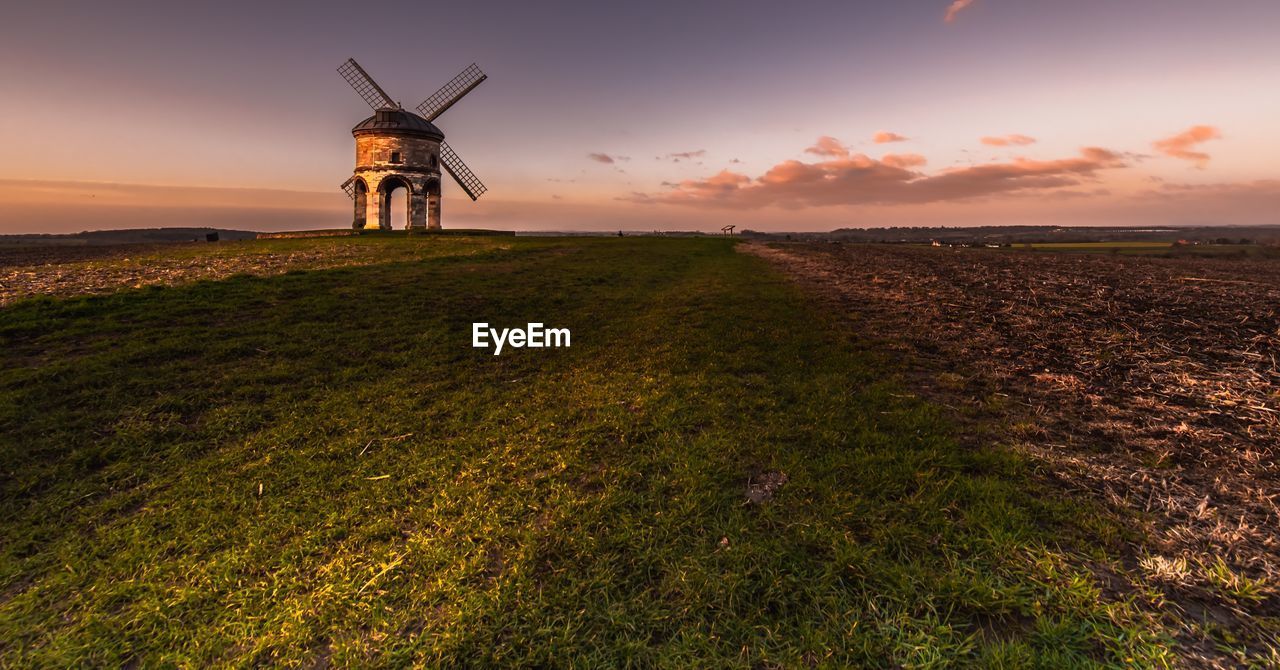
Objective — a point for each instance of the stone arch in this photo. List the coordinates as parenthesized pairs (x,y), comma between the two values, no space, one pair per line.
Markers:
(386,188)
(362,203)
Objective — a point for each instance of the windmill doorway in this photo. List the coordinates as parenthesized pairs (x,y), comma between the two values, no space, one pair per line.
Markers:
(394,192)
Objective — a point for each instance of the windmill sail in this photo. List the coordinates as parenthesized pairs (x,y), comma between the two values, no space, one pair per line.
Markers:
(460,172)
(349,187)
(364,84)
(451,92)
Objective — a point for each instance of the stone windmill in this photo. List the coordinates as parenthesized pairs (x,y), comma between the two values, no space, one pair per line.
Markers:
(396,148)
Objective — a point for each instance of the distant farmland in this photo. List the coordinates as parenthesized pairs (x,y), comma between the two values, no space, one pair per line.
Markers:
(1170,249)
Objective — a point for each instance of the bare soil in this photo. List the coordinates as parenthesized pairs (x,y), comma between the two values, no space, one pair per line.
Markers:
(1149,384)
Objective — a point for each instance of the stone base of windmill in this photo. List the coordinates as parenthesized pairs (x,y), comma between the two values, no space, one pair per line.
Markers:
(373,190)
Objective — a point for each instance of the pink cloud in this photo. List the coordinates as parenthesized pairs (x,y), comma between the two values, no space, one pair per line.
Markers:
(955,8)
(1180,145)
(903,160)
(856,179)
(1009,141)
(828,146)
(885,137)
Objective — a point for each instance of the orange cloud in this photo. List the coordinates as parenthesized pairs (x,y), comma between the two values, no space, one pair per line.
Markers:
(1180,145)
(884,137)
(903,160)
(1008,141)
(720,186)
(828,146)
(956,7)
(856,179)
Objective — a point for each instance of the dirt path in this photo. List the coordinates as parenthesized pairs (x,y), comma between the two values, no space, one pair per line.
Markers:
(1151,384)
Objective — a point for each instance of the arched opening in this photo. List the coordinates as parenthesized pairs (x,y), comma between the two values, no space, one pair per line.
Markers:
(398,205)
(394,192)
(362,204)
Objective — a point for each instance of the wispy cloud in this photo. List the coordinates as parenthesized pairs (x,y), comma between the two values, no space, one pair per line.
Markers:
(1008,141)
(678,156)
(1180,145)
(1261,195)
(856,179)
(607,159)
(885,137)
(955,8)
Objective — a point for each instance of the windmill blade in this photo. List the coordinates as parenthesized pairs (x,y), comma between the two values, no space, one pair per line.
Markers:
(364,84)
(451,92)
(460,172)
(349,187)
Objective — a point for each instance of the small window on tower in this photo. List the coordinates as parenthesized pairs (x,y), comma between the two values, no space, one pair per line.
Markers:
(395,156)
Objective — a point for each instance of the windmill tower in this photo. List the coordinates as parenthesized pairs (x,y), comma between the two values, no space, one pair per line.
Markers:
(396,148)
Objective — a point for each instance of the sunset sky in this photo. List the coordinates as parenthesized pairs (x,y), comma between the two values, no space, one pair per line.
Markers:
(655,115)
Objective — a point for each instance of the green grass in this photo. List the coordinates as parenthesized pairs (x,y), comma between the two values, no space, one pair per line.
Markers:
(317,468)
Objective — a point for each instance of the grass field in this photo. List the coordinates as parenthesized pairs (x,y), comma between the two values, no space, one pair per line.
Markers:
(1141,248)
(315,468)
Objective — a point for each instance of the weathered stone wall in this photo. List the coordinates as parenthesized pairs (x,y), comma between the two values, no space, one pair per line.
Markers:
(419,168)
(375,151)
(382,181)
